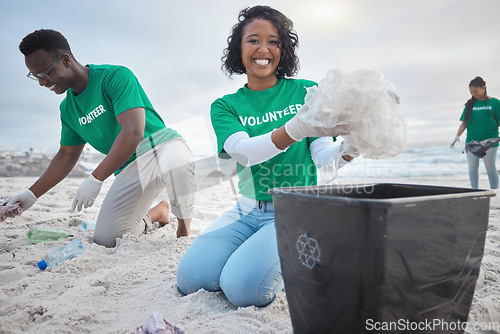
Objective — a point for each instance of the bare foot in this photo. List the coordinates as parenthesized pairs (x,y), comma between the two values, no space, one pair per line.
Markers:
(160,213)
(184,227)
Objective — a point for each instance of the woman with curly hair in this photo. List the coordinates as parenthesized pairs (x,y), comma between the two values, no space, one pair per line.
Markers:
(238,252)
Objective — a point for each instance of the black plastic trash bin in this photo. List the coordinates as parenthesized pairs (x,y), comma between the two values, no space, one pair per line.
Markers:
(380,258)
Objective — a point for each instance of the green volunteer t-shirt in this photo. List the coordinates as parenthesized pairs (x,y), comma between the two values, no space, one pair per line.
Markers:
(91,116)
(482,123)
(257,113)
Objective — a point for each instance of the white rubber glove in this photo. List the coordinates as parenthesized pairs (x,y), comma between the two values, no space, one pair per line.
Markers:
(27,199)
(297,129)
(87,193)
(349,150)
(457,139)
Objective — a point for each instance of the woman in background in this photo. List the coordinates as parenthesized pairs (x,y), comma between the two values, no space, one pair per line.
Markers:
(480,118)
(238,252)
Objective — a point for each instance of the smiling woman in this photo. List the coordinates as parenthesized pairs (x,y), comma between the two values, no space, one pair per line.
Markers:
(260,54)
(258,127)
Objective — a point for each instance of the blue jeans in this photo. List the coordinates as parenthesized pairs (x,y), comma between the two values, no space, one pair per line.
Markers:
(489,164)
(238,254)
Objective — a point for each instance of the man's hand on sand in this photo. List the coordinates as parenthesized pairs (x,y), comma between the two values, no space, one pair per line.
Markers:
(87,193)
(27,199)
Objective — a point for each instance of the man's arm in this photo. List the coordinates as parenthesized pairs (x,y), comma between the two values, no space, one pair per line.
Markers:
(60,166)
(133,122)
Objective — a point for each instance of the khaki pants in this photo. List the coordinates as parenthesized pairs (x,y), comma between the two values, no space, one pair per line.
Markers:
(124,209)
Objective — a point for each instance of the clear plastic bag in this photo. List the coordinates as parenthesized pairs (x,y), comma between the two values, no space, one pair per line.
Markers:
(366,102)
(157,325)
(9,211)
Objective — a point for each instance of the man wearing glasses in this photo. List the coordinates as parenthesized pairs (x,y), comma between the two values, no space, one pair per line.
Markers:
(106,107)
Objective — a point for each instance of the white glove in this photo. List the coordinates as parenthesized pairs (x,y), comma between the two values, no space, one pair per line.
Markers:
(349,150)
(27,199)
(297,129)
(457,139)
(86,194)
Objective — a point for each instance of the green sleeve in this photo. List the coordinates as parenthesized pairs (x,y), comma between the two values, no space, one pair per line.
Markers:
(69,137)
(496,110)
(225,122)
(463,114)
(122,87)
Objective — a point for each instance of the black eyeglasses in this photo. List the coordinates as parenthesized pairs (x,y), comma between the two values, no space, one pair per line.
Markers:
(45,75)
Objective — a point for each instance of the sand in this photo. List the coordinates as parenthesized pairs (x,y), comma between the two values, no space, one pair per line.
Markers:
(116,290)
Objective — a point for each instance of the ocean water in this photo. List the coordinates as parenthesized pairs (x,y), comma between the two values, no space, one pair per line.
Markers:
(435,161)
(413,163)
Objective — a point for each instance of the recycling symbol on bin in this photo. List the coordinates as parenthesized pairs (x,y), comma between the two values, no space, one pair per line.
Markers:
(308,250)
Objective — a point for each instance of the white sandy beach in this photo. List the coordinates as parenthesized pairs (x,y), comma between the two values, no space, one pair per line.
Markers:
(116,290)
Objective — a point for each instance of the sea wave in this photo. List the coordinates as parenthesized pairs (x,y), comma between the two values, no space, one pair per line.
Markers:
(413,162)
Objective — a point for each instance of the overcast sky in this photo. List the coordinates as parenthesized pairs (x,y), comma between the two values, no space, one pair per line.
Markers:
(430,50)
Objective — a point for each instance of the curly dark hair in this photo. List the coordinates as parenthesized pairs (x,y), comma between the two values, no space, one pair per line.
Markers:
(53,42)
(289,41)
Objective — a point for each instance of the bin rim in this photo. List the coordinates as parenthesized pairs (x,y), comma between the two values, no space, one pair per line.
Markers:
(292,192)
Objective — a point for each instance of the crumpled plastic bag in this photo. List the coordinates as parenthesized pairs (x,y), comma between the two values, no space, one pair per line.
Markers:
(9,211)
(366,102)
(157,325)
(479,148)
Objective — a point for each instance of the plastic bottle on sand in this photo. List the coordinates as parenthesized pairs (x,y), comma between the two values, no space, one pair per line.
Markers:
(58,255)
(36,235)
(88,224)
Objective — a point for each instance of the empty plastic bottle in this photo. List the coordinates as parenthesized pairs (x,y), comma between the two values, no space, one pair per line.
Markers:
(36,235)
(88,224)
(58,255)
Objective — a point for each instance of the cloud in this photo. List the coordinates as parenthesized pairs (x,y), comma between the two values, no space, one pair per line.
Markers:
(429,50)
